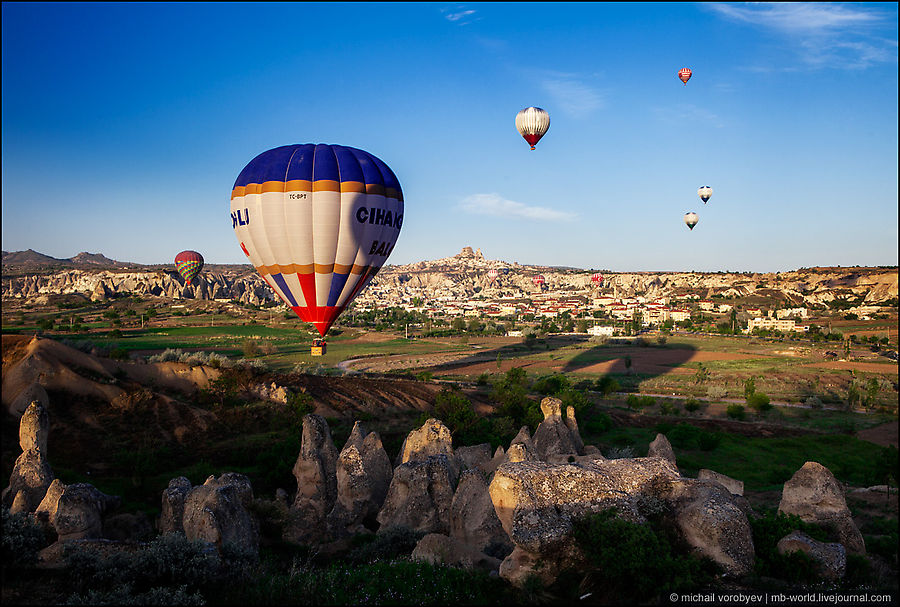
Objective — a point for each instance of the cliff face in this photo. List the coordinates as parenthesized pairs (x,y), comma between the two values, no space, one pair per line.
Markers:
(466,274)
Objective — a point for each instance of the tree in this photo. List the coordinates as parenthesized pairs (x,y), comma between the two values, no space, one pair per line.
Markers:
(581,326)
(749,387)
(872,388)
(530,339)
(458,325)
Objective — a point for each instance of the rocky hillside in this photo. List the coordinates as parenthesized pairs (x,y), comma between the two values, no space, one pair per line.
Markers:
(461,276)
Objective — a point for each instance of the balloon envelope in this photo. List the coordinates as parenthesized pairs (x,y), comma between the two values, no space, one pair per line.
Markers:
(538,280)
(317,221)
(597,279)
(704,192)
(492,274)
(684,74)
(532,123)
(691,219)
(189,264)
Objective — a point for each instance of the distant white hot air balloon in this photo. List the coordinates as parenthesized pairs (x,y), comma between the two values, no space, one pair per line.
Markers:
(691,219)
(532,123)
(704,192)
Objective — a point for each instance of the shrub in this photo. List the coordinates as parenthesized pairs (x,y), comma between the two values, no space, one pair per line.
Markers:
(759,402)
(606,385)
(735,411)
(768,529)
(550,385)
(250,348)
(598,423)
(22,539)
(482,379)
(392,543)
(621,452)
(716,392)
(691,405)
(814,402)
(667,407)
(637,562)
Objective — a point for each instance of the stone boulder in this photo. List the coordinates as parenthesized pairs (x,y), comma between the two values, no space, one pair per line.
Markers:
(712,523)
(316,474)
(831,558)
(476,457)
(432,438)
(554,435)
(661,447)
(76,511)
(420,496)
(734,486)
(438,549)
(31,475)
(521,449)
(363,472)
(171,517)
(473,520)
(816,496)
(537,501)
(218,512)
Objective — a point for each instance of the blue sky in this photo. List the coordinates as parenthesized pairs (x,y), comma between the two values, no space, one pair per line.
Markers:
(124,126)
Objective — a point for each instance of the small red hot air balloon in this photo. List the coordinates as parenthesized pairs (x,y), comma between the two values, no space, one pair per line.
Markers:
(597,279)
(538,280)
(684,74)
(492,274)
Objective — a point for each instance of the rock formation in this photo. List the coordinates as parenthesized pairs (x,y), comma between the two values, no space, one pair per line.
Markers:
(473,519)
(555,435)
(316,474)
(831,558)
(661,447)
(31,475)
(816,496)
(218,512)
(363,475)
(736,487)
(440,549)
(76,511)
(171,517)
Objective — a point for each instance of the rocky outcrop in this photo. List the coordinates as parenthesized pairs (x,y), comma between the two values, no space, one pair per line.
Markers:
(420,496)
(661,447)
(736,487)
(473,519)
(218,512)
(537,502)
(76,511)
(521,448)
(171,517)
(432,438)
(363,476)
(831,558)
(712,523)
(476,457)
(816,496)
(557,436)
(316,474)
(31,475)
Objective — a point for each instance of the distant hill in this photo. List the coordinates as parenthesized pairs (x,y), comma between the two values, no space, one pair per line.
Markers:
(31,260)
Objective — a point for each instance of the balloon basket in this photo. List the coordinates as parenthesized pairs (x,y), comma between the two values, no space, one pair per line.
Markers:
(319,347)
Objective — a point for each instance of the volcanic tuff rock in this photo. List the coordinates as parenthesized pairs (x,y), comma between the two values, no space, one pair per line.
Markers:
(816,496)
(473,519)
(420,496)
(438,549)
(555,435)
(363,475)
(171,517)
(76,511)
(316,474)
(661,447)
(831,558)
(218,512)
(31,475)
(736,487)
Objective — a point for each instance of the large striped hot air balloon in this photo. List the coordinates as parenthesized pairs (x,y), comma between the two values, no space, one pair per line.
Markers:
(189,264)
(691,219)
(532,123)
(684,74)
(318,221)
(704,192)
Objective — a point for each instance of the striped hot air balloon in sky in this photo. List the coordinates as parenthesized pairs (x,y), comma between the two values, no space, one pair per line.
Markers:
(597,279)
(691,219)
(704,192)
(492,274)
(538,280)
(317,221)
(532,123)
(684,74)
(189,264)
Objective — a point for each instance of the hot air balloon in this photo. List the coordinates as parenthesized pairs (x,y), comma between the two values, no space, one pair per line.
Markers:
(189,264)
(691,219)
(538,280)
(705,192)
(317,221)
(532,123)
(492,274)
(597,279)
(684,74)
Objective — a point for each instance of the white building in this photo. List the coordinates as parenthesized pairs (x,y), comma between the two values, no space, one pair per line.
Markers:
(599,330)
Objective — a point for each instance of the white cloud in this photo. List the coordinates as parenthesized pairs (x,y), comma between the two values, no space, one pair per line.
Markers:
(837,36)
(459,14)
(688,112)
(494,204)
(572,96)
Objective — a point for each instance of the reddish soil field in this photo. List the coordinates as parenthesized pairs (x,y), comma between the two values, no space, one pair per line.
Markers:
(884,435)
(848,366)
